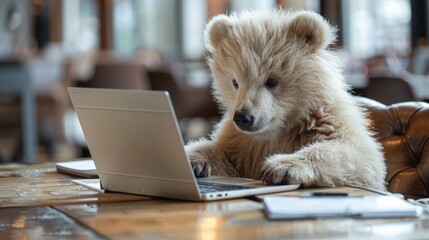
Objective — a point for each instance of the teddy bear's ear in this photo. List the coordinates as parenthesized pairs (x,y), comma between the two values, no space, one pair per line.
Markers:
(216,30)
(312,30)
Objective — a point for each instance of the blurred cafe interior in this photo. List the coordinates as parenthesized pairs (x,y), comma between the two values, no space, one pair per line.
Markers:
(49,45)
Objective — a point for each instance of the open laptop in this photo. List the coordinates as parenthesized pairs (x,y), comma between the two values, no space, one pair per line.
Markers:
(137,147)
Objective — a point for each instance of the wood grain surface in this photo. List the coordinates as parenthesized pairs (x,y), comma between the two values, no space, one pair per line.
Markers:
(37,202)
(42,185)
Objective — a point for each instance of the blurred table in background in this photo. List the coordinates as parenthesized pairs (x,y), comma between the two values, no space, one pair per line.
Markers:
(32,81)
(15,81)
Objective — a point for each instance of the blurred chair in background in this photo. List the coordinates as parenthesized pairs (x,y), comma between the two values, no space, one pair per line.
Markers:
(188,101)
(117,74)
(389,90)
(107,73)
(194,105)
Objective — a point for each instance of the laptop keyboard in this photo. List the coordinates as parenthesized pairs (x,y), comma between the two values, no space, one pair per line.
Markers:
(208,187)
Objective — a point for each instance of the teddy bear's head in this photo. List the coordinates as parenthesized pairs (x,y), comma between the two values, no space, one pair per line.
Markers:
(265,63)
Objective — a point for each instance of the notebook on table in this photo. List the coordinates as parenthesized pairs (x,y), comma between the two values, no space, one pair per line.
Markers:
(137,147)
(79,167)
(281,208)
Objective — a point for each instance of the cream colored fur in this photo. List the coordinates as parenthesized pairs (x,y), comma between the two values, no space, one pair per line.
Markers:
(307,129)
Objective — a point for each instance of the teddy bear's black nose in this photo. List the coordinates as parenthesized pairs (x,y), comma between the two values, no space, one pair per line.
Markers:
(244,120)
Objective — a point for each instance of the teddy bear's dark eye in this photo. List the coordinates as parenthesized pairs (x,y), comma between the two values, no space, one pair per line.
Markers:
(234,82)
(271,83)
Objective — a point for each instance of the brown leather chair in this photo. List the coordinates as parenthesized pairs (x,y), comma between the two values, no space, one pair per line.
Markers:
(403,130)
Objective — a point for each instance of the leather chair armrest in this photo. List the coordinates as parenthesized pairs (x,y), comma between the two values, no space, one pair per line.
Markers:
(403,130)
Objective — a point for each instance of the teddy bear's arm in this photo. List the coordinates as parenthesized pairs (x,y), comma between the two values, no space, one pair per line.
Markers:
(325,163)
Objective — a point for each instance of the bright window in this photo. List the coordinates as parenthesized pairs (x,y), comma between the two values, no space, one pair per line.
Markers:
(376,27)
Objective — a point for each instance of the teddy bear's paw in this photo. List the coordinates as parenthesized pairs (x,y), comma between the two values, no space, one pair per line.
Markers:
(201,168)
(275,174)
(286,169)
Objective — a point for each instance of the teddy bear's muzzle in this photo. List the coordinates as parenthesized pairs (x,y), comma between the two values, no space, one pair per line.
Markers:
(244,120)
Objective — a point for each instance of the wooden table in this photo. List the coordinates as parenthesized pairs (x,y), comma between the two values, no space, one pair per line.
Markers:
(36,202)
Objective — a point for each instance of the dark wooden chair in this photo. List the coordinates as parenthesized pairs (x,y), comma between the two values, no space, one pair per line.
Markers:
(389,90)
